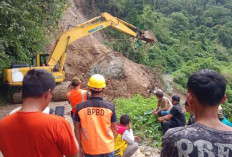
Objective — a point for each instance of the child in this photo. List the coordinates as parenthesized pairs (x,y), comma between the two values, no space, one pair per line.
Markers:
(125,145)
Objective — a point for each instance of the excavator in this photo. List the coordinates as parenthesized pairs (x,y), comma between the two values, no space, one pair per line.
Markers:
(54,61)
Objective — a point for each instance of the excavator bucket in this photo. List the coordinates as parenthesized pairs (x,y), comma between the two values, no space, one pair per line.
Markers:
(149,37)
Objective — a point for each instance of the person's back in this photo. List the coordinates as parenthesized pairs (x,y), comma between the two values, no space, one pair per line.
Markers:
(35,134)
(95,118)
(76,95)
(29,132)
(179,116)
(197,140)
(95,121)
(170,105)
(207,136)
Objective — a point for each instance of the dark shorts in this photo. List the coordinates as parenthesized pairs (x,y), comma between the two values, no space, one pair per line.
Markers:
(101,155)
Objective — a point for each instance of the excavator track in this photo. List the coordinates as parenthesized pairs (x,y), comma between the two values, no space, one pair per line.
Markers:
(60,91)
(58,94)
(17,98)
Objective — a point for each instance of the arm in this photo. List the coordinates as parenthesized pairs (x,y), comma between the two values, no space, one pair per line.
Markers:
(165,118)
(114,129)
(155,112)
(77,128)
(128,137)
(66,141)
(157,106)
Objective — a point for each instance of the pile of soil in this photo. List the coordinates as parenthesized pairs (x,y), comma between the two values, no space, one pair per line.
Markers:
(85,52)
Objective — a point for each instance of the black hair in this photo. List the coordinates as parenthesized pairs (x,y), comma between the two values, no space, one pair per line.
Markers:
(75,84)
(186,103)
(37,82)
(124,119)
(95,92)
(208,86)
(176,98)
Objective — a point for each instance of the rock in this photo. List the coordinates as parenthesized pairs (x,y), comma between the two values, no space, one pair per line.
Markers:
(149,151)
(111,66)
(168,84)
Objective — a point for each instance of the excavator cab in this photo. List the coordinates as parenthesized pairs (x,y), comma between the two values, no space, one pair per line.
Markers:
(39,60)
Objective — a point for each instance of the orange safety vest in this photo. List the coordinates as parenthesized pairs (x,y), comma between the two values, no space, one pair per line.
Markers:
(96,134)
(75,97)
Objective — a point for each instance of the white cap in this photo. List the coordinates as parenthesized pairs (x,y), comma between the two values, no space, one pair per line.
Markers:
(220,112)
(155,91)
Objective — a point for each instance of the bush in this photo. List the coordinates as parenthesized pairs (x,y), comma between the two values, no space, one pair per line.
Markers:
(144,123)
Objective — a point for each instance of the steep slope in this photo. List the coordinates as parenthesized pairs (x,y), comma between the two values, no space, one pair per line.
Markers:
(88,55)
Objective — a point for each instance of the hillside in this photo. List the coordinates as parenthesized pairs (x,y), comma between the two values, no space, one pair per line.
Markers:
(89,55)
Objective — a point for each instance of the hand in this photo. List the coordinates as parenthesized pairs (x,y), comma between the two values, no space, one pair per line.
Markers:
(156,113)
(137,139)
(161,119)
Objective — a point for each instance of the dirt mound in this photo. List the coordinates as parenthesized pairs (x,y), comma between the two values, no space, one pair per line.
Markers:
(88,55)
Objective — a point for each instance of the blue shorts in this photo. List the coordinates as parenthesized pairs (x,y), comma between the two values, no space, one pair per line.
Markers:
(101,155)
(164,113)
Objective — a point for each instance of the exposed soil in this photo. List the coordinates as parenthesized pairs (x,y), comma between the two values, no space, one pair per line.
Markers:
(83,53)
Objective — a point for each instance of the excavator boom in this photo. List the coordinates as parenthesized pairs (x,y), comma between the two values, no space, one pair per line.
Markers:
(90,27)
(56,59)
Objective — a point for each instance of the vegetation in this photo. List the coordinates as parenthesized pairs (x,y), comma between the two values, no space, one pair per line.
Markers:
(144,123)
(25,27)
(192,35)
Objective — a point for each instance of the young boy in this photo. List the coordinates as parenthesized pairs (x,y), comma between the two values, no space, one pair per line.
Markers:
(125,145)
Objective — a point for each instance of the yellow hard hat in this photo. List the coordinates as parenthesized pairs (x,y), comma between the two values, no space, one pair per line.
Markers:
(97,82)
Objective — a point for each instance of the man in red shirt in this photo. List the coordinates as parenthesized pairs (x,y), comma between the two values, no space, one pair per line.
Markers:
(29,132)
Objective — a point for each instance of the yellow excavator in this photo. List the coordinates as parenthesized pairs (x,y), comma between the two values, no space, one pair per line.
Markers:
(54,61)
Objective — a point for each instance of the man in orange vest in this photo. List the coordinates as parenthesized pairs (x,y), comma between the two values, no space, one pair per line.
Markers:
(76,95)
(95,122)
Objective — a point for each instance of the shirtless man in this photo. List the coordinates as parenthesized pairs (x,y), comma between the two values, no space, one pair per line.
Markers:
(164,103)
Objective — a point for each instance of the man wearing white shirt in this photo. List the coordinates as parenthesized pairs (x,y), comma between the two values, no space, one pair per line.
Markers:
(125,144)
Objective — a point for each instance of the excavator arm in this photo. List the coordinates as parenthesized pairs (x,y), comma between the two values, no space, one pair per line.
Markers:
(89,27)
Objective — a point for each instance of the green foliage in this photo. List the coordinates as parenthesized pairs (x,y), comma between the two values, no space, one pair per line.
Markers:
(192,35)
(25,27)
(186,30)
(144,123)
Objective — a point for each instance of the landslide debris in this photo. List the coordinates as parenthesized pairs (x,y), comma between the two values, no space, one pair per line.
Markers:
(89,55)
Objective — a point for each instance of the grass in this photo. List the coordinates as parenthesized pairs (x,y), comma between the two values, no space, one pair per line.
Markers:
(144,123)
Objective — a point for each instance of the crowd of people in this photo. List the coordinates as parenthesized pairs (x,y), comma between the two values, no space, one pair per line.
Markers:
(29,132)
